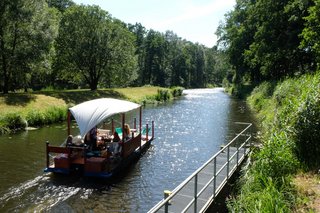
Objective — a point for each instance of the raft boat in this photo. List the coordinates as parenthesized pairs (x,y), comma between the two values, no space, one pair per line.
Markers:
(108,156)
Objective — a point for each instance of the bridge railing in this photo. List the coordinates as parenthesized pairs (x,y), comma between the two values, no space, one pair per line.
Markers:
(199,190)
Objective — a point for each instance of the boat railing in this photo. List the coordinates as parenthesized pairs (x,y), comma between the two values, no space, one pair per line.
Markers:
(197,187)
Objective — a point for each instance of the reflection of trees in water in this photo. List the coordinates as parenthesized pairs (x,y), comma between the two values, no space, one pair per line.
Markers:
(239,112)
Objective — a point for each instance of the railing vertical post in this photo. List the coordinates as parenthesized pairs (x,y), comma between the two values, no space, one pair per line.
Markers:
(250,134)
(195,192)
(245,146)
(135,123)
(147,131)
(112,126)
(166,205)
(47,151)
(152,129)
(214,176)
(228,161)
(237,144)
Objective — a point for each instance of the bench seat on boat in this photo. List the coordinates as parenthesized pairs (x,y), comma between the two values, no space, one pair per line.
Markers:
(95,164)
(61,161)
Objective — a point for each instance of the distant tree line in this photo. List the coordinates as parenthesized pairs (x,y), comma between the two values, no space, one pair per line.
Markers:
(271,40)
(58,44)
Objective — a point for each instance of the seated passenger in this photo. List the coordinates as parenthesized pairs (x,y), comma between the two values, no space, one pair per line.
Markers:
(116,137)
(91,139)
(126,132)
(69,141)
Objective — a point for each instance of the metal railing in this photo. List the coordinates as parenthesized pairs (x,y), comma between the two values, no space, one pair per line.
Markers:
(199,190)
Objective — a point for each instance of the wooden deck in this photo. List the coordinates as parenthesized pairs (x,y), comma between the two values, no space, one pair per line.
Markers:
(199,190)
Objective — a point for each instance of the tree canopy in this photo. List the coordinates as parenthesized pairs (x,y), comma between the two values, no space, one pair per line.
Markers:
(59,44)
(267,39)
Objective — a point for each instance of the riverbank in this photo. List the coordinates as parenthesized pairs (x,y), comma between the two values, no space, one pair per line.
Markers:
(289,113)
(21,110)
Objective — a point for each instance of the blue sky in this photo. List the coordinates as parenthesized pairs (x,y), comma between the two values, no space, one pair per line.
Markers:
(193,20)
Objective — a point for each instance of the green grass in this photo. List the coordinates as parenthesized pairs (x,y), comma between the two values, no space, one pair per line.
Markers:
(45,107)
(289,112)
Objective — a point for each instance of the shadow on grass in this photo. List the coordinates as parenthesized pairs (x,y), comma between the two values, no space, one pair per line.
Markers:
(79,96)
(19,99)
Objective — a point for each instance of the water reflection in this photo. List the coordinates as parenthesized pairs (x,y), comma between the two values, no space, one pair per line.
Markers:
(188,132)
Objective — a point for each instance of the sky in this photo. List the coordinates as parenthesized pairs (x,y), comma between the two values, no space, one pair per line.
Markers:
(193,20)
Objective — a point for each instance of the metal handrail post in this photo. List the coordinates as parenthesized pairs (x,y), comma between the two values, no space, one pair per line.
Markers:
(195,192)
(215,176)
(166,207)
(228,161)
(237,142)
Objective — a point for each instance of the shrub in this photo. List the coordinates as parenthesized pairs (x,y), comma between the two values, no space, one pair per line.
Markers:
(163,95)
(177,91)
(13,121)
(307,126)
(276,159)
(51,115)
(263,194)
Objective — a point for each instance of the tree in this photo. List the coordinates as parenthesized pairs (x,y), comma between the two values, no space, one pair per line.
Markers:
(61,5)
(93,47)
(311,33)
(27,32)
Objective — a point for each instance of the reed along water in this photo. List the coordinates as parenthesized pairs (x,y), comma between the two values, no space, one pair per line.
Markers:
(188,132)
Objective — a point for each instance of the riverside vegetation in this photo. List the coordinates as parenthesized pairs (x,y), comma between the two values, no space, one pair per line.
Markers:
(36,109)
(289,112)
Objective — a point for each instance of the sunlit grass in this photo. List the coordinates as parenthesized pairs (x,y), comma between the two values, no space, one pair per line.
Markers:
(20,109)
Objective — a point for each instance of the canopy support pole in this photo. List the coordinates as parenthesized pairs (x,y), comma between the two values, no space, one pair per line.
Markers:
(123,121)
(68,120)
(140,119)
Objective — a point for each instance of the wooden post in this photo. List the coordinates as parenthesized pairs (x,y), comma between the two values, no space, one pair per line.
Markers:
(135,123)
(140,120)
(112,126)
(68,120)
(147,129)
(152,129)
(47,150)
(123,121)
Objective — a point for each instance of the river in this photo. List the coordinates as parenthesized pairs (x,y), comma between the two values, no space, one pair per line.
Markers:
(188,132)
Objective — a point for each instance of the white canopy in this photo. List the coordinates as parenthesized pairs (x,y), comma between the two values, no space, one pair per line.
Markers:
(90,113)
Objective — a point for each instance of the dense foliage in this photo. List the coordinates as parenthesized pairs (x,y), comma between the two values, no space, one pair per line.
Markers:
(274,45)
(271,40)
(58,44)
(289,113)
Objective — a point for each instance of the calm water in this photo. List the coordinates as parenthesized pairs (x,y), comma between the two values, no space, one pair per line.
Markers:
(188,132)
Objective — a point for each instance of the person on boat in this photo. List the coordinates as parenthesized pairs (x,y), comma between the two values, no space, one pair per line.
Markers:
(116,137)
(126,131)
(91,139)
(116,145)
(69,141)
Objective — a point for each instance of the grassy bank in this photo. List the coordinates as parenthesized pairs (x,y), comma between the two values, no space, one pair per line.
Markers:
(39,108)
(289,113)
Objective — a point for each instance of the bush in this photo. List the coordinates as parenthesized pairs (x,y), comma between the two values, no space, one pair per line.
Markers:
(12,121)
(263,194)
(276,159)
(307,126)
(51,115)
(177,91)
(163,95)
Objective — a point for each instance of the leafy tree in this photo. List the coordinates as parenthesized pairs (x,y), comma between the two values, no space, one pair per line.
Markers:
(155,53)
(61,5)
(311,32)
(122,67)
(262,39)
(27,32)
(140,33)
(91,44)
